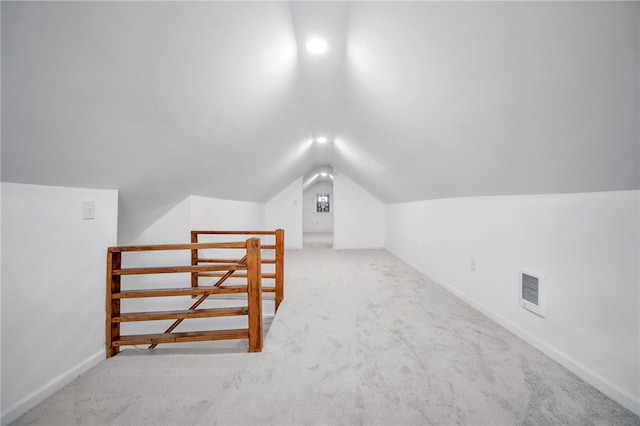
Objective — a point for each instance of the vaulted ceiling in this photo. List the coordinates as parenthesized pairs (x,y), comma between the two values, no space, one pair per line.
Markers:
(419,100)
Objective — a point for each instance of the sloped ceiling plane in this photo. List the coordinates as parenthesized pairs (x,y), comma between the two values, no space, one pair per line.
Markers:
(417,100)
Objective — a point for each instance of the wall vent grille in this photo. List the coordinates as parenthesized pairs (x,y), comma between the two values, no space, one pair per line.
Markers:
(530,288)
(533,293)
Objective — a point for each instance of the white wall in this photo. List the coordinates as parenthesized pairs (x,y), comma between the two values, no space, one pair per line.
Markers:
(217,214)
(203,213)
(359,217)
(173,226)
(200,213)
(2,411)
(587,246)
(53,288)
(284,211)
(312,220)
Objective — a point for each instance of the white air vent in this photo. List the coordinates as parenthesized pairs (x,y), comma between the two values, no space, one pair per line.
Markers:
(533,293)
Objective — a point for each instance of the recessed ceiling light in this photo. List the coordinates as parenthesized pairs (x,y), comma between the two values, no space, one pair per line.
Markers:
(321,139)
(323,174)
(317,46)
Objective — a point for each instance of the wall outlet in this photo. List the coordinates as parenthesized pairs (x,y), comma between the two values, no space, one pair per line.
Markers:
(472,264)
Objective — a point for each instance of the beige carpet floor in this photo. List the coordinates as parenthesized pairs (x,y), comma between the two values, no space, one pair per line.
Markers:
(361,339)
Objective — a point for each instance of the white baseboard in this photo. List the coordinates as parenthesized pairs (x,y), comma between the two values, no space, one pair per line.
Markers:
(45,391)
(622,397)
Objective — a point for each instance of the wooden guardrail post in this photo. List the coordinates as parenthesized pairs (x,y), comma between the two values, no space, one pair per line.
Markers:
(254,289)
(114,261)
(279,267)
(194,259)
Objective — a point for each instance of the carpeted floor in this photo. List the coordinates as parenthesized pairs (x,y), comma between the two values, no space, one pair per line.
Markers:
(361,339)
(317,240)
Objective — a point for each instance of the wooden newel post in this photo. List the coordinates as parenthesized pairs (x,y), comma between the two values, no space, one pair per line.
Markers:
(254,289)
(114,262)
(194,259)
(279,267)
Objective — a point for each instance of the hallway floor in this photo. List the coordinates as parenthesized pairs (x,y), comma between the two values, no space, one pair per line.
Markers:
(317,240)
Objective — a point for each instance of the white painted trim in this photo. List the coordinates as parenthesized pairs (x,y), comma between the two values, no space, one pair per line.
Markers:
(49,388)
(621,396)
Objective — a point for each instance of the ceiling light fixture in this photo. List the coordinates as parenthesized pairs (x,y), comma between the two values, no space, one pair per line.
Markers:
(317,46)
(321,139)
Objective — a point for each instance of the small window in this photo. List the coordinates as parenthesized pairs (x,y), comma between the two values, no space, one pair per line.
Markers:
(322,203)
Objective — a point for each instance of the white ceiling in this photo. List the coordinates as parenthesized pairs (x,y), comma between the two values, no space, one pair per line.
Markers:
(420,100)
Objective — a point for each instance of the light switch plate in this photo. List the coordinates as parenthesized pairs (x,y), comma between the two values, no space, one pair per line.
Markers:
(88,210)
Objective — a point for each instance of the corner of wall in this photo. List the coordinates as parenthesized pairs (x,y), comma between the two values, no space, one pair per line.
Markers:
(284,211)
(359,217)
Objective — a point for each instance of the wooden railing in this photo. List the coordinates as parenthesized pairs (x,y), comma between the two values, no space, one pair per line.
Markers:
(276,276)
(223,269)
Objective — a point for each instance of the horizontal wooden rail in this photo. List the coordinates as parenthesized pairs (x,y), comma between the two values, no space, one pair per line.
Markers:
(163,247)
(210,232)
(249,264)
(178,269)
(168,292)
(278,261)
(188,336)
(181,314)
(205,260)
(265,275)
